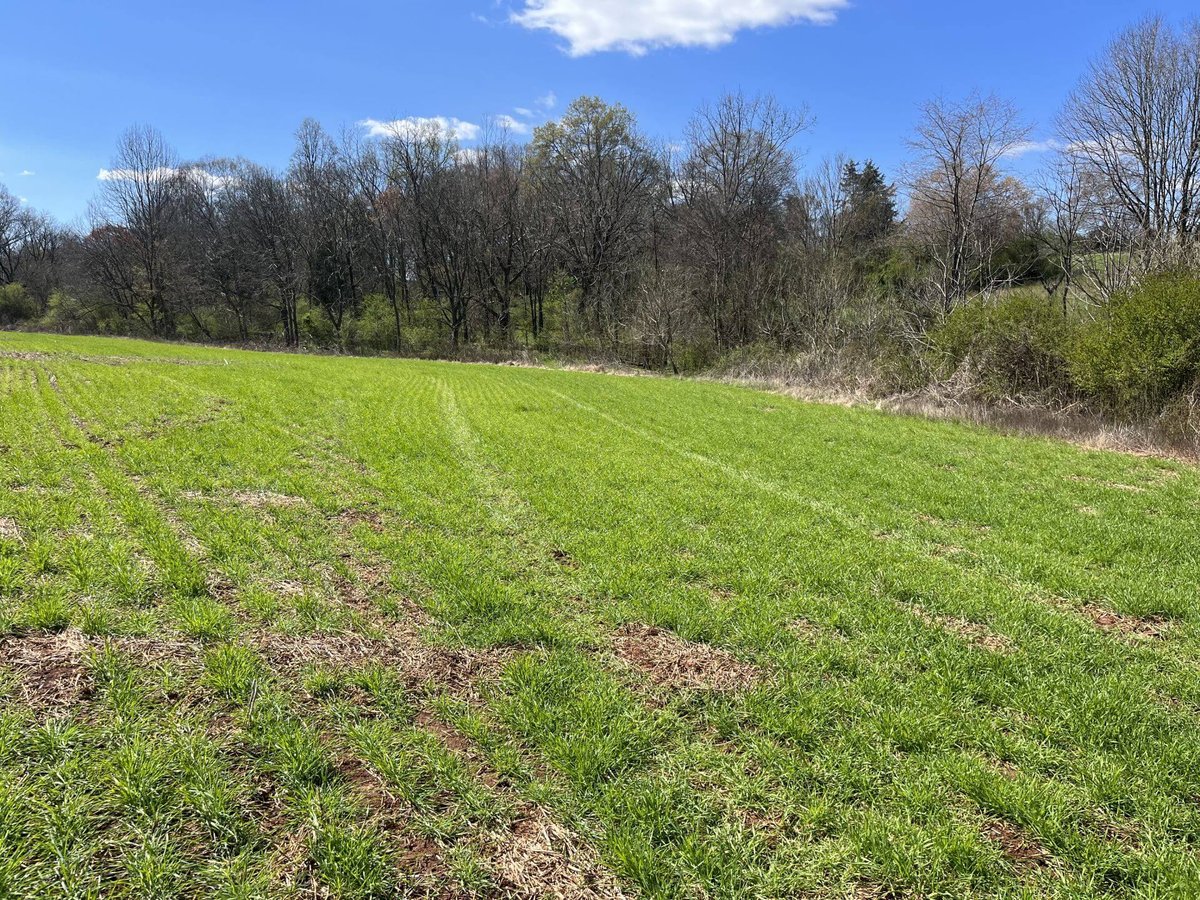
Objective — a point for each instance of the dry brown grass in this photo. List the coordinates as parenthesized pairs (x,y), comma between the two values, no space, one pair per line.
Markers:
(536,857)
(673,663)
(9,529)
(1023,850)
(942,403)
(974,633)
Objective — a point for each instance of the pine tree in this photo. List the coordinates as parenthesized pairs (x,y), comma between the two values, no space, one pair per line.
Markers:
(871,206)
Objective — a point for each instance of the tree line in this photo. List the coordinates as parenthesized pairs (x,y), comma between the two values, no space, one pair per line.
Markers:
(592,238)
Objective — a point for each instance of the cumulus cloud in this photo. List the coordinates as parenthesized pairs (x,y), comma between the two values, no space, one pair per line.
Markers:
(413,126)
(636,26)
(511,124)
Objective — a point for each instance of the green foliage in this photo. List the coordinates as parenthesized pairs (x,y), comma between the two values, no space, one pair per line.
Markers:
(1143,349)
(1014,345)
(70,314)
(16,305)
(871,205)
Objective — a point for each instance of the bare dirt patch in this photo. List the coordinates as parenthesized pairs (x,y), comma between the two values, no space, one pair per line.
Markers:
(9,529)
(1017,845)
(51,669)
(536,858)
(349,518)
(674,663)
(564,559)
(1114,485)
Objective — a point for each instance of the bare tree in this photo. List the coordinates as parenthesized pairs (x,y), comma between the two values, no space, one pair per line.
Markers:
(29,246)
(507,243)
(739,167)
(953,182)
(598,178)
(386,251)
(1134,120)
(133,243)
(427,169)
(1070,197)
(331,225)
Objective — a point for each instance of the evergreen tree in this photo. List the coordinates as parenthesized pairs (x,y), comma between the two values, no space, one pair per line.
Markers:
(870,206)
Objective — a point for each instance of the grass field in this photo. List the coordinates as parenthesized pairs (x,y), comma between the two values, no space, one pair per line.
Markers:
(296,626)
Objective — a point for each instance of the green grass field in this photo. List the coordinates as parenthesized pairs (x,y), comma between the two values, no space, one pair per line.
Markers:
(295,626)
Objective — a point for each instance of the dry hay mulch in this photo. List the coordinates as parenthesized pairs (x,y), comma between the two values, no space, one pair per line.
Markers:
(671,662)
(535,857)
(9,529)
(460,672)
(1148,627)
(24,355)
(1018,846)
(251,499)
(974,633)
(51,669)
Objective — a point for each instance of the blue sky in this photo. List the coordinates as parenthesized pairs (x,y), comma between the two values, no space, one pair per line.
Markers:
(236,78)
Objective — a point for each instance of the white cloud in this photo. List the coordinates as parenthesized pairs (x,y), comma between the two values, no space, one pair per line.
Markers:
(163,173)
(159,174)
(549,100)
(413,126)
(636,26)
(505,122)
(524,112)
(25,173)
(1024,148)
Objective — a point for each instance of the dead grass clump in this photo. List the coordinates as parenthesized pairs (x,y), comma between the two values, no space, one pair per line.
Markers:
(51,669)
(674,663)
(288,588)
(250,499)
(9,529)
(1018,846)
(1149,627)
(348,518)
(974,633)
(289,653)
(536,858)
(24,355)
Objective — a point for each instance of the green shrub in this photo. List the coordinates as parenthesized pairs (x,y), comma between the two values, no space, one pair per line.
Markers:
(71,315)
(1143,349)
(1013,346)
(16,305)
